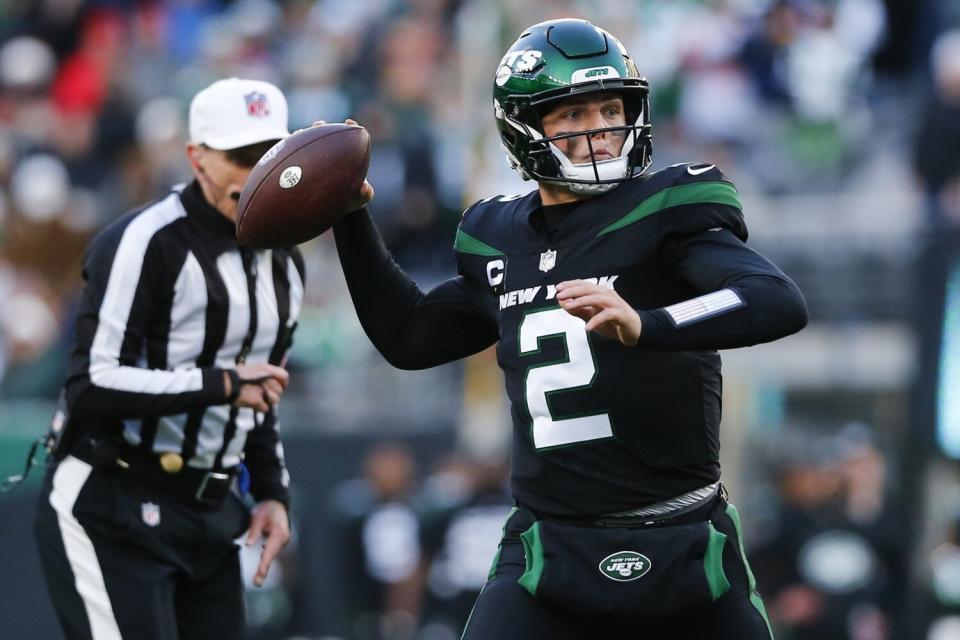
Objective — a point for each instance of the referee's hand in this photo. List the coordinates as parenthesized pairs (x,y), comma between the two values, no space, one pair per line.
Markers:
(272,381)
(269,519)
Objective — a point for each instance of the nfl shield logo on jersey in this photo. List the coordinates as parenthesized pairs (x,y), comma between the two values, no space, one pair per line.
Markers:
(151,513)
(547,260)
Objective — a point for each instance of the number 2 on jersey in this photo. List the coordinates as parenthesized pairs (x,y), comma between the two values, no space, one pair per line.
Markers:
(576,372)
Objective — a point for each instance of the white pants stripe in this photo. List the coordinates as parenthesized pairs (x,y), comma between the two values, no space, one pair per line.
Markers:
(68,480)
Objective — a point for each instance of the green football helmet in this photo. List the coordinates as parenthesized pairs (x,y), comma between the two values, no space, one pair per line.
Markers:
(554,60)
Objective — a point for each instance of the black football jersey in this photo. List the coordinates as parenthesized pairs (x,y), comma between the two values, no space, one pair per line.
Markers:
(600,427)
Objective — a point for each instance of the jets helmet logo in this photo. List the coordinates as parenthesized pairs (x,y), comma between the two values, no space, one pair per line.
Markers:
(624,566)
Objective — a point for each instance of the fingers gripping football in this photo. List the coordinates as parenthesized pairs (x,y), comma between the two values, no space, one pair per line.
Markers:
(365,195)
(603,310)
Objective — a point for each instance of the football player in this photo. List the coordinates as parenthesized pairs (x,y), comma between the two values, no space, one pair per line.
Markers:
(608,291)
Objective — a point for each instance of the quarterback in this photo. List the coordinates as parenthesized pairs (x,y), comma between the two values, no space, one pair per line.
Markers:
(608,291)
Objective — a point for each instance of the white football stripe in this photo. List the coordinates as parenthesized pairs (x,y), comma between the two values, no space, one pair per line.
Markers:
(105,370)
(68,480)
(188,315)
(230,266)
(296,292)
(268,319)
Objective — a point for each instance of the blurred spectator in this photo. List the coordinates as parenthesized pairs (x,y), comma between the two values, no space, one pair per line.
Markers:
(716,105)
(835,565)
(464,506)
(944,587)
(415,226)
(765,51)
(873,511)
(27,68)
(409,61)
(380,543)
(936,157)
(31,350)
(47,227)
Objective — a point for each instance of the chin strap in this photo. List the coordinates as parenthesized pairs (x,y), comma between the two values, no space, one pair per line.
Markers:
(590,189)
(585,189)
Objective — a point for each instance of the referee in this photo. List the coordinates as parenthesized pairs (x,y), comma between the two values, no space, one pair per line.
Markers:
(170,400)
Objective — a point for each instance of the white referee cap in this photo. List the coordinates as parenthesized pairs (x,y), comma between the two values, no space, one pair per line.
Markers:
(235,112)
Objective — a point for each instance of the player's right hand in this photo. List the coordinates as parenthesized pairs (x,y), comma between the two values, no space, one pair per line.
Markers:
(602,309)
(366,193)
(260,396)
(363,198)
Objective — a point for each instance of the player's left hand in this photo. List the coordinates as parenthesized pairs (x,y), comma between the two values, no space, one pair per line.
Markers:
(269,519)
(602,309)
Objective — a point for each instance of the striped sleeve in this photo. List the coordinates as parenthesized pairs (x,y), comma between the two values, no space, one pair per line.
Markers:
(126,279)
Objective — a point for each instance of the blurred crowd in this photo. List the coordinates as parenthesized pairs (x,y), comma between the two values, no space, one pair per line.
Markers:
(407,544)
(827,537)
(787,96)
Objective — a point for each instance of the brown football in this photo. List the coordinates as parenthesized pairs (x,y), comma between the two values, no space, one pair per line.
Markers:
(302,186)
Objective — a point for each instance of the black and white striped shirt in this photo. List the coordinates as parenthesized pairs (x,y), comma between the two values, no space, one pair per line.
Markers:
(169,302)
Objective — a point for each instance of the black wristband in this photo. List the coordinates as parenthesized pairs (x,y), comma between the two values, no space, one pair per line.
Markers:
(234,385)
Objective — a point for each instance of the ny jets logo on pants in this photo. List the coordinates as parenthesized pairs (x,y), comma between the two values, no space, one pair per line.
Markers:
(624,566)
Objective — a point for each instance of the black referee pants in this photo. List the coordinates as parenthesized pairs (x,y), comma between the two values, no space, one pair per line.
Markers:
(124,560)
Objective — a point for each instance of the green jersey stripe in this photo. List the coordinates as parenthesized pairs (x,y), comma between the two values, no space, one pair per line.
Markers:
(465,243)
(716,192)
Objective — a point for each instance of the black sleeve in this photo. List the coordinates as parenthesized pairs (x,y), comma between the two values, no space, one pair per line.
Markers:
(121,296)
(412,330)
(771,306)
(263,457)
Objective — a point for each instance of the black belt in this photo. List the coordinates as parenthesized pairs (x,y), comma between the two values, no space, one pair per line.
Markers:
(700,512)
(207,487)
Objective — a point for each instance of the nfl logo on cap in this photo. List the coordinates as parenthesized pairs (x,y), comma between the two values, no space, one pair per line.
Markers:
(257,105)
(235,112)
